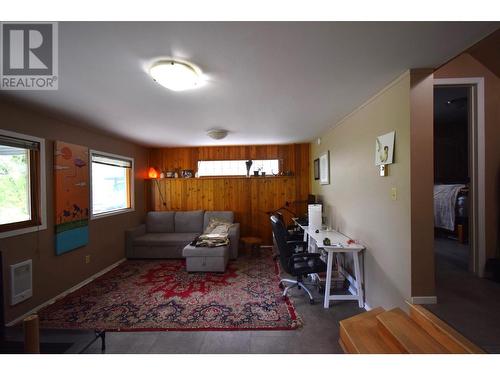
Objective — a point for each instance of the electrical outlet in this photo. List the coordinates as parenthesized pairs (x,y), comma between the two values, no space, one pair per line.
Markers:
(394,193)
(87,259)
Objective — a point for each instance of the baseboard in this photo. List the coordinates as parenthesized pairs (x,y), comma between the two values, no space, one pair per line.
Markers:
(424,300)
(66,292)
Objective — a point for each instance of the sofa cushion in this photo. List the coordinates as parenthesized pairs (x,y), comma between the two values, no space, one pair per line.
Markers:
(165,239)
(160,222)
(224,215)
(188,221)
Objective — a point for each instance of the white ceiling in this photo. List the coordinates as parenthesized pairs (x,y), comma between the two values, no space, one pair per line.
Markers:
(273,82)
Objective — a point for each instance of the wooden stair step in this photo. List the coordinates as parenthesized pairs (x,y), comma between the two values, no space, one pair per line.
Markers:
(442,332)
(410,337)
(360,334)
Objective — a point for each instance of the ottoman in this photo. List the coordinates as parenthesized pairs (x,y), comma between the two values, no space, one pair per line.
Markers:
(206,259)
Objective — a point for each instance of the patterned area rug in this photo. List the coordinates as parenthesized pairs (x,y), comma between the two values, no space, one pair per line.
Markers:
(160,295)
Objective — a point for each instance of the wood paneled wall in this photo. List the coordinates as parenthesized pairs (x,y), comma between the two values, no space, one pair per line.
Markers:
(250,198)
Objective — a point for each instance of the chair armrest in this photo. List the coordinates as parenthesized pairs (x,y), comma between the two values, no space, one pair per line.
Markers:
(305,255)
(295,258)
(130,235)
(297,242)
(234,240)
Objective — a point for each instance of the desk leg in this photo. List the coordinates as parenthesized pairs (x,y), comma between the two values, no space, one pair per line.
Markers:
(328,282)
(359,281)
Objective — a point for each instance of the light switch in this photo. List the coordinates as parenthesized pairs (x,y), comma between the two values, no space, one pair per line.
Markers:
(394,193)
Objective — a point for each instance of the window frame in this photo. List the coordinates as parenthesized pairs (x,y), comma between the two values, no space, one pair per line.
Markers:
(131,190)
(38,220)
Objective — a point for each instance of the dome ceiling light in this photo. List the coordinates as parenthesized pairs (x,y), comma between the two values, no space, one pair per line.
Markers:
(177,75)
(217,133)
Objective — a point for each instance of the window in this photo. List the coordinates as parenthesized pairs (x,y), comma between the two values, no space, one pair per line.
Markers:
(21,198)
(236,167)
(112,184)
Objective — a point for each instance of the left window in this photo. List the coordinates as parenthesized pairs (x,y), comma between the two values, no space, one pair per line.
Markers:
(112,184)
(20,187)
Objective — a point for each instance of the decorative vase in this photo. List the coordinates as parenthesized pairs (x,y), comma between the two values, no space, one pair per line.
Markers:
(256,173)
(249,165)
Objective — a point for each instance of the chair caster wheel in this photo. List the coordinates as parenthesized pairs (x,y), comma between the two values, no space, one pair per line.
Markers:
(311,301)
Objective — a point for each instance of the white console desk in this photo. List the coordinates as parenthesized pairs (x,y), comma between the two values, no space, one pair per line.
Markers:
(338,246)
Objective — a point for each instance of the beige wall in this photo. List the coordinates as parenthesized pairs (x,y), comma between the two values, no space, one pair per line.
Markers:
(466,66)
(54,274)
(358,201)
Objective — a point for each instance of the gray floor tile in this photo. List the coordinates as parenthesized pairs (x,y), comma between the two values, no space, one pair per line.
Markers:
(231,342)
(178,342)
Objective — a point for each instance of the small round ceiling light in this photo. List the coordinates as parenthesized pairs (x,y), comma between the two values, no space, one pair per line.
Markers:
(176,75)
(217,133)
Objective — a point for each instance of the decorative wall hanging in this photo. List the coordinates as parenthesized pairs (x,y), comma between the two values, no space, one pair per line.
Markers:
(324,168)
(71,171)
(384,149)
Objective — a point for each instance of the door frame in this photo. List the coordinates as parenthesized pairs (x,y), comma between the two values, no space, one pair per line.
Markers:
(477,154)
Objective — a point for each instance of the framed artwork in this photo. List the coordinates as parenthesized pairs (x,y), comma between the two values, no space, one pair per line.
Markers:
(324,168)
(71,171)
(316,169)
(384,149)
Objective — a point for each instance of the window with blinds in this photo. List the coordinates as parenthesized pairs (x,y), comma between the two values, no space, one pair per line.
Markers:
(112,183)
(19,183)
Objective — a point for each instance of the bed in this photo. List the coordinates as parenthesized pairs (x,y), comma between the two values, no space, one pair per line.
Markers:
(451,209)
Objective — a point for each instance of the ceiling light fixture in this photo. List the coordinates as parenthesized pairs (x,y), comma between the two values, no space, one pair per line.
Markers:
(217,133)
(176,75)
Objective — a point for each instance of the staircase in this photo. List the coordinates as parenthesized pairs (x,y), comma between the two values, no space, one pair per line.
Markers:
(383,332)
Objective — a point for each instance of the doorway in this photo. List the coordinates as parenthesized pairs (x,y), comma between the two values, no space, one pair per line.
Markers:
(453,203)
(459,173)
(465,300)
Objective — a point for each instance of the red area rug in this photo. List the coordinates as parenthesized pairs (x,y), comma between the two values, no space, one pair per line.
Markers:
(160,295)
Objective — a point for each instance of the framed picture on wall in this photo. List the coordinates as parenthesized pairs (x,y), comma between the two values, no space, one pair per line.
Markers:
(316,169)
(324,168)
(384,149)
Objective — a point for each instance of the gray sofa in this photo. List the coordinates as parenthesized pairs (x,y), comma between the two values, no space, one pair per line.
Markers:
(166,233)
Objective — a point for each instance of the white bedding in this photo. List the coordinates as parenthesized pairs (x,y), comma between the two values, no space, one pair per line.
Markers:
(445,198)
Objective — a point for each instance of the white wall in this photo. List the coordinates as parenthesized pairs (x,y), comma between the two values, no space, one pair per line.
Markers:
(358,201)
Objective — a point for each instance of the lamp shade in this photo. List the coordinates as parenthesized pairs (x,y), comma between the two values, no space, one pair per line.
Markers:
(152,172)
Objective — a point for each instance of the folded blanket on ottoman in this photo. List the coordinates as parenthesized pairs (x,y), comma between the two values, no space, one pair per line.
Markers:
(216,234)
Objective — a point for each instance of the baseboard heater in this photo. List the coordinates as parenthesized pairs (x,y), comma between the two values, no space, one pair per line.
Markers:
(21,275)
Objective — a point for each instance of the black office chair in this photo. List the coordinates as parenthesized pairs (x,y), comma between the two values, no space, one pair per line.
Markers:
(296,264)
(296,239)
(291,233)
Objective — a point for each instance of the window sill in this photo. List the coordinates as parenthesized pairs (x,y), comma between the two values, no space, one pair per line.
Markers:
(18,232)
(111,213)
